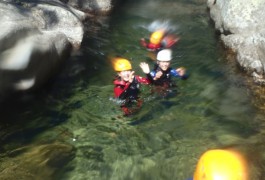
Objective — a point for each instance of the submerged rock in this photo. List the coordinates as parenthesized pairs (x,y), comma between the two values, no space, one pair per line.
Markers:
(38,162)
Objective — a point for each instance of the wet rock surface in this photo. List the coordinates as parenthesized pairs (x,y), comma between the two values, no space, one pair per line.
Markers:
(242,29)
(38,36)
(35,40)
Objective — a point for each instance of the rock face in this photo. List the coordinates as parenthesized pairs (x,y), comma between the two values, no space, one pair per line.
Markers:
(37,36)
(92,6)
(242,29)
(35,39)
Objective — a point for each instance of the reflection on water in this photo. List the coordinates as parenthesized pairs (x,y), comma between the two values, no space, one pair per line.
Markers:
(162,141)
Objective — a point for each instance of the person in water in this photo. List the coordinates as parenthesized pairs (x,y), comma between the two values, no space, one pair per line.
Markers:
(127,85)
(161,75)
(158,40)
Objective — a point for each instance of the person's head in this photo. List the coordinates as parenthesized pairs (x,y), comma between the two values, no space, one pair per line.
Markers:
(157,36)
(123,68)
(163,58)
(219,164)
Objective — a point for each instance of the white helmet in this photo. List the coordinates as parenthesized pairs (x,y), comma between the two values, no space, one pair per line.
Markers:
(164,55)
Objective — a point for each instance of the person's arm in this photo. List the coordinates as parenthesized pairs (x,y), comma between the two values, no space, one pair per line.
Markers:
(170,40)
(150,77)
(179,72)
(153,76)
(143,80)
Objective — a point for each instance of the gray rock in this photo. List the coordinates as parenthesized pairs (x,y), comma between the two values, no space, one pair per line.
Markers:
(243,30)
(92,6)
(35,39)
(37,36)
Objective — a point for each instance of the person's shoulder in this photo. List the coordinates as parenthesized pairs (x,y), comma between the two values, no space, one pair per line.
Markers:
(118,82)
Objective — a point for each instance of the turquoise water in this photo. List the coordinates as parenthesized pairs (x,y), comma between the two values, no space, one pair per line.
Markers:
(166,137)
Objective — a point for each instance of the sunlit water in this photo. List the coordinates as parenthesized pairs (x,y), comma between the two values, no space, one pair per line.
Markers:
(165,139)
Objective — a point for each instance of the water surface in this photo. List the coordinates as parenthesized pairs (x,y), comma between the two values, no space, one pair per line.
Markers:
(164,140)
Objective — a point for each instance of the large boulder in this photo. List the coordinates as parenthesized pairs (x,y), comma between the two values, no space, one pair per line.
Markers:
(31,61)
(35,39)
(92,6)
(37,36)
(242,29)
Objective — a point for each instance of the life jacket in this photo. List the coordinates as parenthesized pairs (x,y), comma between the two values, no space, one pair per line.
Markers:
(129,91)
(153,47)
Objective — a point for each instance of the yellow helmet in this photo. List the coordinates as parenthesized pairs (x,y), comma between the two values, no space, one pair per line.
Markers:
(221,165)
(157,36)
(121,64)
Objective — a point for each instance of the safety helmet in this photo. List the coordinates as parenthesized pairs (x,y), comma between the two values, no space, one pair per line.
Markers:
(157,36)
(164,55)
(221,165)
(121,64)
